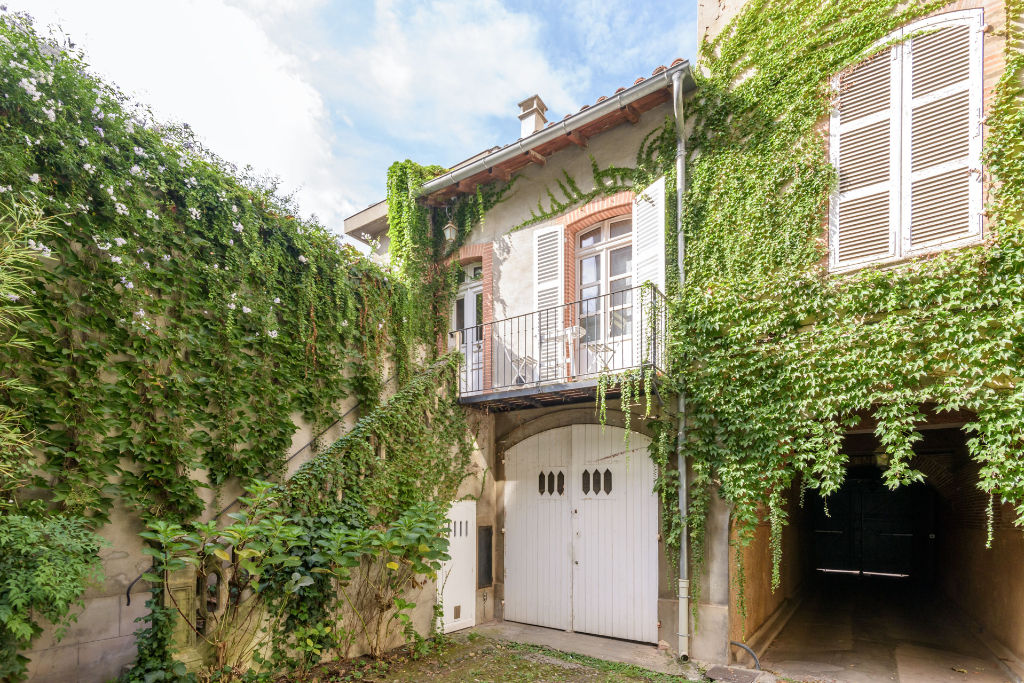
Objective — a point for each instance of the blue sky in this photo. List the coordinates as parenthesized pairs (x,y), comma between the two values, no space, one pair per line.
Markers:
(326,94)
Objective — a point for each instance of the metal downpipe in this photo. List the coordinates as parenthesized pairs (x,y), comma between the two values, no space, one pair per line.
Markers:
(684,576)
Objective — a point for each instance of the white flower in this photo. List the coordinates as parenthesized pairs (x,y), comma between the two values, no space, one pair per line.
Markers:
(50,114)
(29,85)
(127,283)
(234,208)
(234,295)
(344,323)
(166,257)
(140,313)
(303,259)
(15,298)
(145,264)
(151,215)
(140,152)
(99,130)
(231,243)
(135,170)
(246,309)
(121,208)
(5,188)
(272,334)
(90,168)
(103,247)
(231,306)
(115,259)
(34,177)
(82,142)
(194,212)
(277,299)
(191,182)
(120,241)
(216,266)
(237,226)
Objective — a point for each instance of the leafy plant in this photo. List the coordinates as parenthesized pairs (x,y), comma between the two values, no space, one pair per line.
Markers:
(231,562)
(45,564)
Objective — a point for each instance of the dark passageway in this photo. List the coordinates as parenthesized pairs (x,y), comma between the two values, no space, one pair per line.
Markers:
(889,574)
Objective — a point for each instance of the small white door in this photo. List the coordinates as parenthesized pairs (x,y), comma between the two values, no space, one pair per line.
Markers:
(467,323)
(457,577)
(581,533)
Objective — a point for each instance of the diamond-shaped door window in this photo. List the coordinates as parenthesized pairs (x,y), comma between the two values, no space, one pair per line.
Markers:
(607,481)
(586,481)
(597,481)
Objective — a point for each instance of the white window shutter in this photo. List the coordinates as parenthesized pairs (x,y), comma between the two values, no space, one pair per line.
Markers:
(864,148)
(649,235)
(942,91)
(548,289)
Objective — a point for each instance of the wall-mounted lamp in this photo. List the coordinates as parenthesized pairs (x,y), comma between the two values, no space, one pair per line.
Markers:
(449,232)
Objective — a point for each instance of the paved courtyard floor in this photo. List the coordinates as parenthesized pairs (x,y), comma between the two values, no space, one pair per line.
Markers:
(861,630)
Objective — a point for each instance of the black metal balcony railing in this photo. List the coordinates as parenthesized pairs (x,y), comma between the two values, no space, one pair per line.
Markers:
(576,341)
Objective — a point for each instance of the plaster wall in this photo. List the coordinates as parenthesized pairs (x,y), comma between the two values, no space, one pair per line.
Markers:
(513,264)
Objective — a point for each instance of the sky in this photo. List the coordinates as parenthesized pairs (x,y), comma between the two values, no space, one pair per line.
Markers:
(326,94)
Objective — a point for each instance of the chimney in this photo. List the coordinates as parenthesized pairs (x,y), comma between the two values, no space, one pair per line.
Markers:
(531,115)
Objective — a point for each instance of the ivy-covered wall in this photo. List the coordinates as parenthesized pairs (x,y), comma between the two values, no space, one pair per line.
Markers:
(778,358)
(184,323)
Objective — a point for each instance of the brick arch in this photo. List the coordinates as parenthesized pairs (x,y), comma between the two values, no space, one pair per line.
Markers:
(620,204)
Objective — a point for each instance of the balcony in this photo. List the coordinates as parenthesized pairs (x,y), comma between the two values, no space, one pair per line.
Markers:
(556,355)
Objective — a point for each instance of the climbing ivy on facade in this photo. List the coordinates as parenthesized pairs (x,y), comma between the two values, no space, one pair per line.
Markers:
(778,358)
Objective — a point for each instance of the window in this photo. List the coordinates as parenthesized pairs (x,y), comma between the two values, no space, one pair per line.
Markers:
(905,138)
(604,273)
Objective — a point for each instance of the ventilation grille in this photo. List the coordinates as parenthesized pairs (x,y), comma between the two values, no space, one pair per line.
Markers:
(864,227)
(941,131)
(940,209)
(865,90)
(864,156)
(940,59)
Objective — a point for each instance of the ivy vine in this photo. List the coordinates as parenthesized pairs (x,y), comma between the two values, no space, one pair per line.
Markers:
(778,359)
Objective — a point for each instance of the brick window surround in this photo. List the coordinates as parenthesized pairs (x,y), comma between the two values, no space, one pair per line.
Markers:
(580,219)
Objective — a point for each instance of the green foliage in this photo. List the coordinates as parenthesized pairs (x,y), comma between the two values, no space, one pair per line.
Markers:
(184,314)
(779,359)
(45,563)
(654,158)
(417,247)
(414,448)
(155,661)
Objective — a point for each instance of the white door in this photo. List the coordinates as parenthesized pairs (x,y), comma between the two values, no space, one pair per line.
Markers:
(537,535)
(457,577)
(582,555)
(467,322)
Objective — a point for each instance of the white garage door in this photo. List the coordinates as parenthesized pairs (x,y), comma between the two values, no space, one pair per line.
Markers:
(581,533)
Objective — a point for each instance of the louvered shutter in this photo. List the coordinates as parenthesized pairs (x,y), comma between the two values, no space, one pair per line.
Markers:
(649,235)
(548,288)
(863,145)
(941,183)
(648,266)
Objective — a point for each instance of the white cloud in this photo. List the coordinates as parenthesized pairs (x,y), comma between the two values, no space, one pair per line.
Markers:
(215,67)
(445,69)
